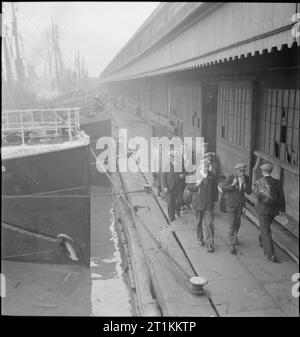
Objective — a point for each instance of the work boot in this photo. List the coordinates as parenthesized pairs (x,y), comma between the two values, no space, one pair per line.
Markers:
(210,248)
(201,243)
(232,249)
(273,259)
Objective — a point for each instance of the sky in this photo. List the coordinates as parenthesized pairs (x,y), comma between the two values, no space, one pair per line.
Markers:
(98,29)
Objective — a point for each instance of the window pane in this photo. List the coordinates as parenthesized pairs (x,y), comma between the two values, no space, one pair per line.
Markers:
(292,98)
(289,136)
(268,113)
(282,152)
(297,99)
(296,118)
(269,97)
(267,130)
(285,98)
(278,115)
(289,154)
(274,97)
(277,134)
(267,142)
(290,116)
(279,98)
(295,156)
(273,114)
(271,149)
(272,131)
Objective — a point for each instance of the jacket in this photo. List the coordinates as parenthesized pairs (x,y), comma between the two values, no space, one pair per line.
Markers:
(262,208)
(206,194)
(170,180)
(234,198)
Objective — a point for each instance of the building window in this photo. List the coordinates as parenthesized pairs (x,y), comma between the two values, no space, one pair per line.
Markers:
(234,104)
(223,131)
(278,124)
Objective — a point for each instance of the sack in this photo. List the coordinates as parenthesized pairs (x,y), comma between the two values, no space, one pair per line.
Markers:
(265,192)
(187,196)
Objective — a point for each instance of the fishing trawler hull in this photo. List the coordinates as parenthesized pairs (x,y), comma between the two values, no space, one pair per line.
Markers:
(46,193)
(97,128)
(95,121)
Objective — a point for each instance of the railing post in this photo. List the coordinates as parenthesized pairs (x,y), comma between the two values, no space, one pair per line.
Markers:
(69,124)
(22,129)
(7,121)
(77,119)
(56,129)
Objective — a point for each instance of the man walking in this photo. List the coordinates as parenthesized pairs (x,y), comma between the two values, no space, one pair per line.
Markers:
(234,189)
(270,202)
(180,189)
(170,185)
(157,166)
(205,195)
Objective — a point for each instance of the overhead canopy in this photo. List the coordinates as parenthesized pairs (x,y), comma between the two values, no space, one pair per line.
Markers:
(230,31)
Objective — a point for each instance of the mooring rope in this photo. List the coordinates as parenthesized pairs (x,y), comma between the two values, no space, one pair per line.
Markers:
(66,195)
(20,230)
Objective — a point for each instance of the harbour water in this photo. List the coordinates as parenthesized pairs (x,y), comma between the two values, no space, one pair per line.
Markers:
(69,290)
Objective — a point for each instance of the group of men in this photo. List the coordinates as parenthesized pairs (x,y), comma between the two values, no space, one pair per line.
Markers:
(205,198)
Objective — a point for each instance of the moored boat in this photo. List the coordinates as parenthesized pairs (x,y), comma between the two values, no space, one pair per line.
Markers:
(45,186)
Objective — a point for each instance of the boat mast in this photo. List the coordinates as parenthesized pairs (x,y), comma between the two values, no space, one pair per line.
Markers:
(48,64)
(82,67)
(59,56)
(8,67)
(57,75)
(78,64)
(18,62)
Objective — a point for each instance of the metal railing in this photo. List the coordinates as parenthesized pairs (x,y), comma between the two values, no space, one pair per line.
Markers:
(40,123)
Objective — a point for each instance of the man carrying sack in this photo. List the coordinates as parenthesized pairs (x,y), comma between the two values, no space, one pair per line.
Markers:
(270,202)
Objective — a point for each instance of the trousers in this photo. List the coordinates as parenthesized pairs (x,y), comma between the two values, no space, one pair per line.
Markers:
(171,203)
(265,236)
(206,220)
(234,221)
(158,181)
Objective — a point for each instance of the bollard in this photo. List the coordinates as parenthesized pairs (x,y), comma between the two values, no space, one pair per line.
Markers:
(147,188)
(197,284)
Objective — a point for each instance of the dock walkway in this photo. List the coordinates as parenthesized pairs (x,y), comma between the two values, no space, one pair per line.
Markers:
(245,284)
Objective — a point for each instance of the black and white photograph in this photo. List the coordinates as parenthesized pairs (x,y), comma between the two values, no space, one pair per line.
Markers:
(150,162)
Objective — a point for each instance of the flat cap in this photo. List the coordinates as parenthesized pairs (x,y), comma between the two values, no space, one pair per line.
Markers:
(267,167)
(205,161)
(208,154)
(240,166)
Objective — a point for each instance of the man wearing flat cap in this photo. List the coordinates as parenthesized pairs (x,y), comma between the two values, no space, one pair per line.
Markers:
(205,195)
(171,185)
(270,202)
(234,189)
